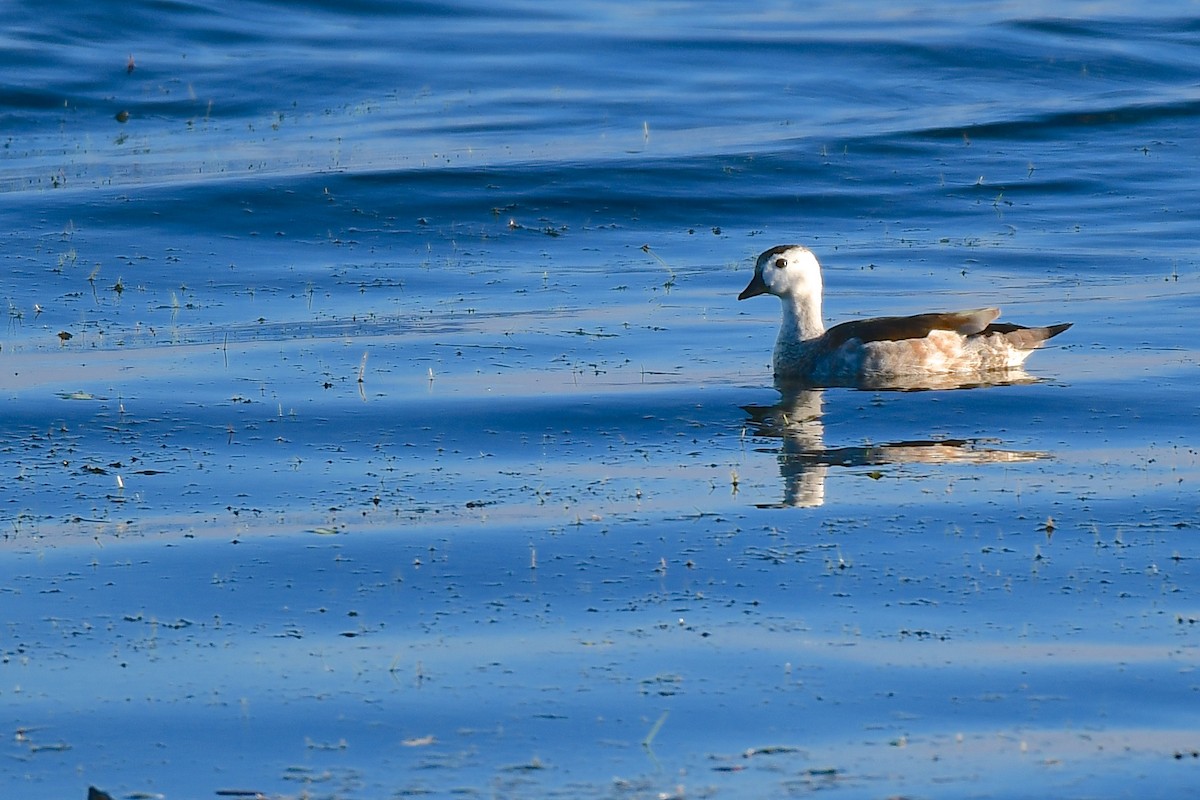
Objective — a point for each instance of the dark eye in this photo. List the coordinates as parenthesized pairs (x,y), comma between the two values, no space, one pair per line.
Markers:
(780,263)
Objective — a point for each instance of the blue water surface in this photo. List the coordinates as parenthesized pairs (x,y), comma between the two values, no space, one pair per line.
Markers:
(379,418)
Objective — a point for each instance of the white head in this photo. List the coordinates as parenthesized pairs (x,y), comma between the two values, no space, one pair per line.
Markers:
(786,271)
(791,273)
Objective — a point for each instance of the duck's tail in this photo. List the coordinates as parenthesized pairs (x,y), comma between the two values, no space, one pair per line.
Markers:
(1024,338)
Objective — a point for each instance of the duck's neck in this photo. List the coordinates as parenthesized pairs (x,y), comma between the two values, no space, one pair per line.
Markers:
(801,319)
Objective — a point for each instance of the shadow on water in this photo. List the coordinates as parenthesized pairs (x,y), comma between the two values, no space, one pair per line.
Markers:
(805,460)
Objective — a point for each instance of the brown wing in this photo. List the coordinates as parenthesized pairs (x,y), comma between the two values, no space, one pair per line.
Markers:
(892,329)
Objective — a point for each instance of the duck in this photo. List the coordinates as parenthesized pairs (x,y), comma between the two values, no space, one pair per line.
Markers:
(967,346)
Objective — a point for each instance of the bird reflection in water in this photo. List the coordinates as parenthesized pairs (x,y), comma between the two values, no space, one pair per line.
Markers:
(804,460)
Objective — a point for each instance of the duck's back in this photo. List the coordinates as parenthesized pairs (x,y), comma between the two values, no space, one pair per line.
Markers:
(927,344)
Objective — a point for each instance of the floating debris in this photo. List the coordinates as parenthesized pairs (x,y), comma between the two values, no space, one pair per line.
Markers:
(770,750)
(419,741)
